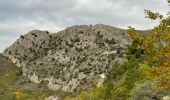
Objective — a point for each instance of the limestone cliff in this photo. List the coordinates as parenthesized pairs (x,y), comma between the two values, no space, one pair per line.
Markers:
(73,59)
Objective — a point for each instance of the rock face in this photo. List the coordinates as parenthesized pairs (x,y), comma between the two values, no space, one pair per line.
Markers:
(72,59)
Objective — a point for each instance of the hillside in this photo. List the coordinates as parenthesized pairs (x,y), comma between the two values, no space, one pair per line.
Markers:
(94,62)
(15,86)
(71,60)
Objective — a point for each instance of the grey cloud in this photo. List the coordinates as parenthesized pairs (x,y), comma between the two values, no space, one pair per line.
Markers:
(20,16)
(33,9)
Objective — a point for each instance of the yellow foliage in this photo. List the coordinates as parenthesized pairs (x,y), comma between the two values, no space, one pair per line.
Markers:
(19,95)
(6,75)
(156,45)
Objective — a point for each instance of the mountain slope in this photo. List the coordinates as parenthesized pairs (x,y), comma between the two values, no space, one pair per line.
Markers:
(73,59)
(14,86)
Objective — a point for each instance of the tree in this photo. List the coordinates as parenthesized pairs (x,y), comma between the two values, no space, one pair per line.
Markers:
(156,47)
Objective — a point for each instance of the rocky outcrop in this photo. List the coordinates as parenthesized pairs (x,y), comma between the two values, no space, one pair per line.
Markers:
(166,98)
(148,90)
(52,98)
(73,59)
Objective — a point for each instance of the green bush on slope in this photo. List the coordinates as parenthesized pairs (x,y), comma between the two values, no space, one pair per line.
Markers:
(120,81)
(12,83)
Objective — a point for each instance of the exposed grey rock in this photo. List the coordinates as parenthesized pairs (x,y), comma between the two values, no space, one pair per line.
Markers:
(148,90)
(166,98)
(101,80)
(71,59)
(52,98)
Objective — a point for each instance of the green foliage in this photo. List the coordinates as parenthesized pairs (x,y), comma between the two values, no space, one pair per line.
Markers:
(10,90)
(118,84)
(135,51)
(96,93)
(130,75)
(153,15)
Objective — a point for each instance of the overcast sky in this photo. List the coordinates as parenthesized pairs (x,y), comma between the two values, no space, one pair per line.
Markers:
(20,16)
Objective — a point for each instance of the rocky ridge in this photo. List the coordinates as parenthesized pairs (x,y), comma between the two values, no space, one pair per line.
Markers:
(73,59)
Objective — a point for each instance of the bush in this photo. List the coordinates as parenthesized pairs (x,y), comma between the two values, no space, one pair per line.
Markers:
(118,84)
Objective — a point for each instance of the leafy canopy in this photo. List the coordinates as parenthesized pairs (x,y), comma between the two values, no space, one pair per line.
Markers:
(156,47)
